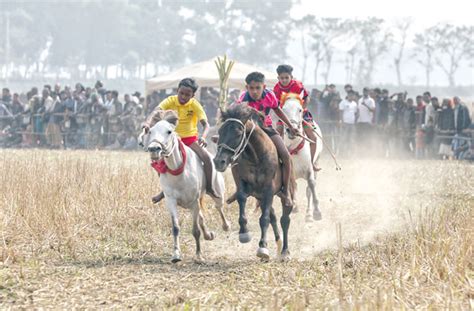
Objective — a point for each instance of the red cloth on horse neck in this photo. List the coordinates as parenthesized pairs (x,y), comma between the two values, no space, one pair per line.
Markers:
(298,148)
(161,168)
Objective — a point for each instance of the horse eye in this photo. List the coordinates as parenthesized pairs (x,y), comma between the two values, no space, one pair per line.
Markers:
(169,132)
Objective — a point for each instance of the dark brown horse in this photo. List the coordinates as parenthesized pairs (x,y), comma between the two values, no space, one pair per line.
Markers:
(248,149)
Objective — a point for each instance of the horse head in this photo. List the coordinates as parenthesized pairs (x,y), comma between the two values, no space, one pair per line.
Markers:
(160,140)
(292,106)
(237,125)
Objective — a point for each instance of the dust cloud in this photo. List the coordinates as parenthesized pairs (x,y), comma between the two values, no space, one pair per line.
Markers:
(369,197)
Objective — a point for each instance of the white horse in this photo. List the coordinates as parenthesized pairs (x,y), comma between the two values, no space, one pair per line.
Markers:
(301,155)
(182,180)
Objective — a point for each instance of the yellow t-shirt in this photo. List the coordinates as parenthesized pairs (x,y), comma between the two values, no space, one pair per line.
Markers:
(189,115)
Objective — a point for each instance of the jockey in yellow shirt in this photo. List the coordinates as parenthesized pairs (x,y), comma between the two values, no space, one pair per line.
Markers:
(190,112)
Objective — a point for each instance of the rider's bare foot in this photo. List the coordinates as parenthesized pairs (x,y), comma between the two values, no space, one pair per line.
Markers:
(158,198)
(316,168)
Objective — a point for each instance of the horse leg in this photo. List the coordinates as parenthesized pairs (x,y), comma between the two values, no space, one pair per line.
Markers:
(276,232)
(171,204)
(285,225)
(236,176)
(219,205)
(312,187)
(293,189)
(244,236)
(208,235)
(266,205)
(309,210)
(197,233)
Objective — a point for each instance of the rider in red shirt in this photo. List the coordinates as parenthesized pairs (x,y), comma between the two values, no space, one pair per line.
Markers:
(286,84)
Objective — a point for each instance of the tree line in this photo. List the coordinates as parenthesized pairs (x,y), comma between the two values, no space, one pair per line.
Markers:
(138,38)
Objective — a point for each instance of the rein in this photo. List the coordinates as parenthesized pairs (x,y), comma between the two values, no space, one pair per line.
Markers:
(243,142)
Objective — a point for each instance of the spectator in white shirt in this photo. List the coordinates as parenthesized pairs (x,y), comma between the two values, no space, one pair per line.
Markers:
(430,111)
(347,119)
(366,109)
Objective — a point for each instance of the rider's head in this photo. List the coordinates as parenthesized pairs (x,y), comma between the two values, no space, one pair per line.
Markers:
(255,84)
(186,90)
(285,74)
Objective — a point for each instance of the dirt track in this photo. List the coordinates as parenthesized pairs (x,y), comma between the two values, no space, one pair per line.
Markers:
(114,248)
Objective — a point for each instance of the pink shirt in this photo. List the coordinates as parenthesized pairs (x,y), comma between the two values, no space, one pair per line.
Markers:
(264,104)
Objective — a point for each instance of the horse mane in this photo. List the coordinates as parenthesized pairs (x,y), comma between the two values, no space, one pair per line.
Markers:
(241,112)
(286,96)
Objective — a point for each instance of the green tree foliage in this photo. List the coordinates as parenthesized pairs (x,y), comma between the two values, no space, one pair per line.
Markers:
(133,33)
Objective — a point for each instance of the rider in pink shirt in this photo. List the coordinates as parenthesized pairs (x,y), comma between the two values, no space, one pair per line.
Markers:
(264,100)
(265,104)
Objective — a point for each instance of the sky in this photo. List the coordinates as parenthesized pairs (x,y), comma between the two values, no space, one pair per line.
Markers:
(424,15)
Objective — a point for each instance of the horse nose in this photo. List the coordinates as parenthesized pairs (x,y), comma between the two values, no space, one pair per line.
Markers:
(220,164)
(154,148)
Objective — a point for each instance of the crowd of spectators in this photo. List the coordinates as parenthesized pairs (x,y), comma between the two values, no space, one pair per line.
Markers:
(79,117)
(383,123)
(374,121)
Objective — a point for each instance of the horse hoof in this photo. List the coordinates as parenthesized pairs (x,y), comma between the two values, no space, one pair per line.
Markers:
(285,255)
(210,237)
(176,259)
(245,237)
(317,215)
(198,259)
(308,218)
(226,227)
(263,254)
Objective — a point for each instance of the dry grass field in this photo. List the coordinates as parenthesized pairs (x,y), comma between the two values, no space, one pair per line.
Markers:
(78,230)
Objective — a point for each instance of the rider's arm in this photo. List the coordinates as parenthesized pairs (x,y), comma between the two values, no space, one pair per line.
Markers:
(283,117)
(305,102)
(205,128)
(202,117)
(305,96)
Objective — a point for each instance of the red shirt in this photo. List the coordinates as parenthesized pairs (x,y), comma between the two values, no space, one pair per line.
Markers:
(294,86)
(264,104)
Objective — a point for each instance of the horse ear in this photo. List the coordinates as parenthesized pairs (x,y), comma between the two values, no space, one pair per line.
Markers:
(171,116)
(302,94)
(256,116)
(157,115)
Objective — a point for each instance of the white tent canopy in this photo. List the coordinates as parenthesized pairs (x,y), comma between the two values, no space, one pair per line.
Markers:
(206,75)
